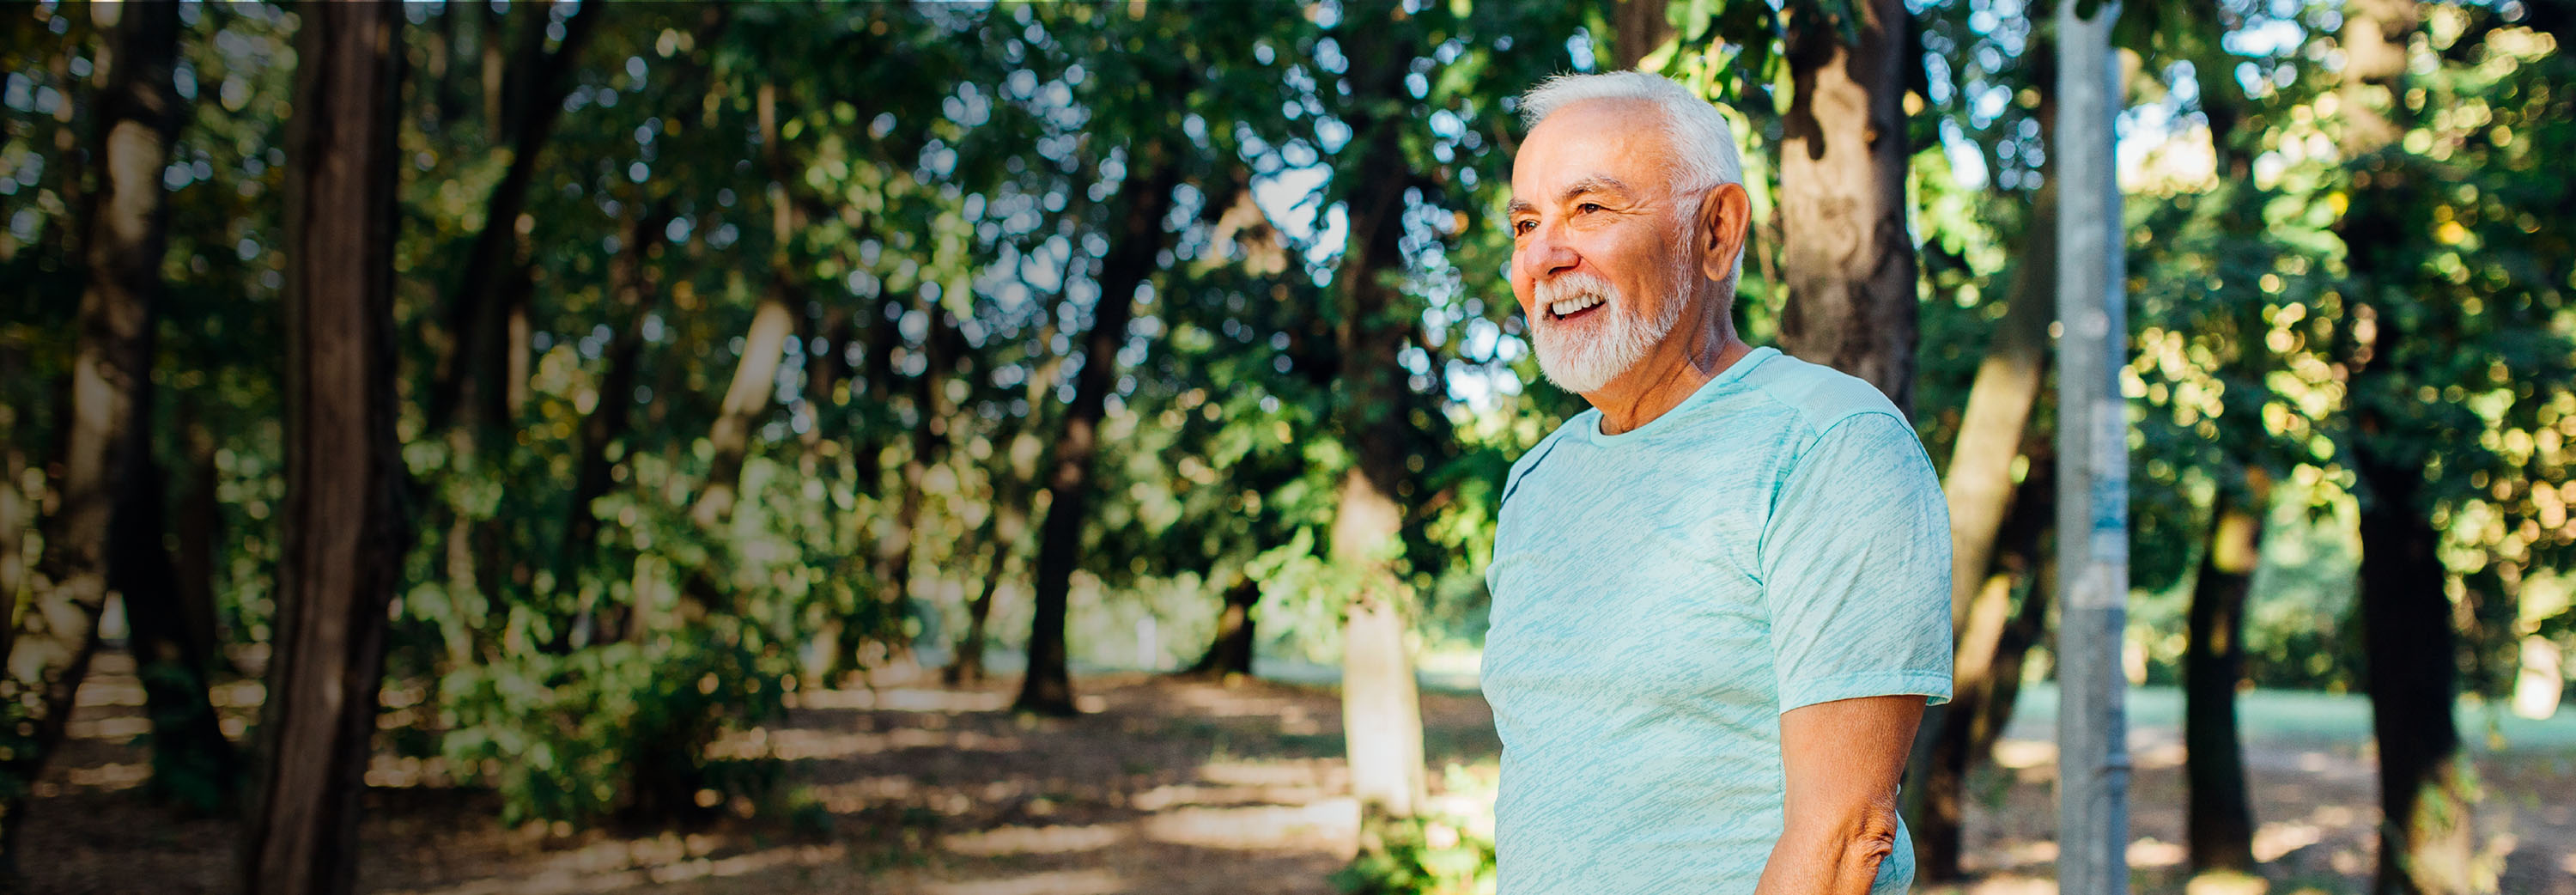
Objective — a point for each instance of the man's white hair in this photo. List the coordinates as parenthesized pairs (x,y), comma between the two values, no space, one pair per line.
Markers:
(1703,142)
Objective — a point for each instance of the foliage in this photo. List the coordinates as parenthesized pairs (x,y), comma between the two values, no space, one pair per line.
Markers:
(1441,852)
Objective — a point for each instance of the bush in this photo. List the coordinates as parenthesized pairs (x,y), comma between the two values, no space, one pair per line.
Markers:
(615,730)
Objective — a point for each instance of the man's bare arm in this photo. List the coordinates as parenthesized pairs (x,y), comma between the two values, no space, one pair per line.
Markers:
(1843,760)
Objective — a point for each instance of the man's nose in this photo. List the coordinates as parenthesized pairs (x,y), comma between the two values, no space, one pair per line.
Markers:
(1546,254)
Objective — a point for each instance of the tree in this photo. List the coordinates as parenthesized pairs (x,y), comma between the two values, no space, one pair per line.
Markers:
(343,527)
(1846,256)
(107,464)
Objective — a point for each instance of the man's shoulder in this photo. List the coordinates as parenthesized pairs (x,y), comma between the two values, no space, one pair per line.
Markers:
(1812,398)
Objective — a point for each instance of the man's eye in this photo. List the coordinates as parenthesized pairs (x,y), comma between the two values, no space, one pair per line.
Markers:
(1588,206)
(1524,226)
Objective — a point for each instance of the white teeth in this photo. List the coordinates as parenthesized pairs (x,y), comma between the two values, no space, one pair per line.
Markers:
(1570,305)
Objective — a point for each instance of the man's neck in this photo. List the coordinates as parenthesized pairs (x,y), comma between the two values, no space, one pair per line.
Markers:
(1666,377)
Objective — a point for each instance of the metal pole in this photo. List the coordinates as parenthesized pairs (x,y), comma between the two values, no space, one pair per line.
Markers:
(2093,451)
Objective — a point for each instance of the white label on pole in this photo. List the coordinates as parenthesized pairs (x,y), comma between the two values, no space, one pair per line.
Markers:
(2110,473)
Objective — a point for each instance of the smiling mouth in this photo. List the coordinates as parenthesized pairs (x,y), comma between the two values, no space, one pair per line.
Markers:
(1575,307)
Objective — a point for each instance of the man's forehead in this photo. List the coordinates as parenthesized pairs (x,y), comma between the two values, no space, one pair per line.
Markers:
(1601,143)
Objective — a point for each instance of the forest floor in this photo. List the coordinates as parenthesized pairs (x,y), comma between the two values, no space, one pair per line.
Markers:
(1165,786)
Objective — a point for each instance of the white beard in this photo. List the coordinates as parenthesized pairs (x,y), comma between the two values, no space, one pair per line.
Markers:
(1585,364)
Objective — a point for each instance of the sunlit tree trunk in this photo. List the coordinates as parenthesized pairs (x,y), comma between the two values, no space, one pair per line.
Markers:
(343,527)
(1381,708)
(1982,498)
(2221,823)
(1047,687)
(106,451)
(1846,254)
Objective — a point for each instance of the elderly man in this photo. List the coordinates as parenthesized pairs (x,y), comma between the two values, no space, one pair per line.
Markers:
(1721,595)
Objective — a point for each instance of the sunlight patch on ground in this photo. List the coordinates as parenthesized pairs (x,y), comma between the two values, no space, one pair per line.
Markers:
(1325,823)
(2278,838)
(1162,797)
(1061,882)
(2019,754)
(2150,851)
(568,881)
(1035,840)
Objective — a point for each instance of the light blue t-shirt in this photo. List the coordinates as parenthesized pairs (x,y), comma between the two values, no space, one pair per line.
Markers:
(1660,596)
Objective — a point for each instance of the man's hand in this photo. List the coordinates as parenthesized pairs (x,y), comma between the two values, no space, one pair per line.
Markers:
(1843,760)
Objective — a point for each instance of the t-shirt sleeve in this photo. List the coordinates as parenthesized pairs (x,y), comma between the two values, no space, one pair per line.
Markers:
(1856,568)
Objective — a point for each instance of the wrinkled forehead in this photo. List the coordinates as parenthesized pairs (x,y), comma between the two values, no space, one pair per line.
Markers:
(1623,141)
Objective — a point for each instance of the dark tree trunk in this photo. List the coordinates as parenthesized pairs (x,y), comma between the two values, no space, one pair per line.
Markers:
(106,447)
(342,524)
(200,528)
(1845,253)
(471,367)
(1047,687)
(2427,840)
(1643,25)
(2221,821)
(1229,653)
(192,764)
(610,414)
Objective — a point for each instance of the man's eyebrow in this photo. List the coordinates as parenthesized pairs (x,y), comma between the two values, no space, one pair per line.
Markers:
(1598,183)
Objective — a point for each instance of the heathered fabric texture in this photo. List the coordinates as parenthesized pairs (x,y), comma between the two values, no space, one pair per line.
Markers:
(1660,596)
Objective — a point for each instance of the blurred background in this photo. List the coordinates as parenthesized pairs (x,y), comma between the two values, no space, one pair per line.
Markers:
(924,448)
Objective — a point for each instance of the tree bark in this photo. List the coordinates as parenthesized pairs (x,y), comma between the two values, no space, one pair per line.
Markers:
(106,446)
(1047,687)
(200,528)
(755,377)
(1845,252)
(2221,821)
(342,523)
(1643,25)
(192,764)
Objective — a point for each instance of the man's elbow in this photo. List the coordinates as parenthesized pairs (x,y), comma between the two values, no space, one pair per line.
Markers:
(1866,840)
(1856,842)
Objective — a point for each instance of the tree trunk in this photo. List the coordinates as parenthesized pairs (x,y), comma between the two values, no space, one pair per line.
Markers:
(610,414)
(755,377)
(1047,687)
(2427,839)
(343,528)
(1643,25)
(1229,653)
(2221,821)
(192,764)
(200,528)
(1381,708)
(1982,501)
(929,424)
(1845,253)
(470,367)
(106,444)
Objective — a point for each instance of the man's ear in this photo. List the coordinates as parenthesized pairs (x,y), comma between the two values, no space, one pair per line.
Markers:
(1725,217)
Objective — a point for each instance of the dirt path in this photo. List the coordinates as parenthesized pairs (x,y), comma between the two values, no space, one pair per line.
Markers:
(1164,787)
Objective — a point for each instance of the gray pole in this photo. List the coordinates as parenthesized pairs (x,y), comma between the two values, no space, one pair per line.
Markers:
(2093,452)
